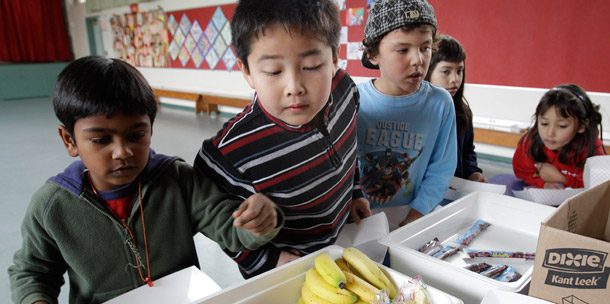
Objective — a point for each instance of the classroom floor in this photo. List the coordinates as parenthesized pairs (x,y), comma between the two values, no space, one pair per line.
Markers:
(32,152)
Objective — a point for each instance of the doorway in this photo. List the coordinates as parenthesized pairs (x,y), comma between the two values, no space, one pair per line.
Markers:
(94,32)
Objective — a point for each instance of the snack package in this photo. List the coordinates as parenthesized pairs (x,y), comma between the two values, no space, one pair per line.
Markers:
(478,267)
(495,271)
(473,253)
(431,247)
(446,252)
(414,291)
(466,238)
(509,275)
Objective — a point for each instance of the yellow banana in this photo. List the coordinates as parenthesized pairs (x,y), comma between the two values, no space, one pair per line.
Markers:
(343,265)
(364,290)
(328,269)
(368,269)
(307,296)
(300,301)
(330,293)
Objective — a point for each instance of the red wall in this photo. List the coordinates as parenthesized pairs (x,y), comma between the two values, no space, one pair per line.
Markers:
(531,43)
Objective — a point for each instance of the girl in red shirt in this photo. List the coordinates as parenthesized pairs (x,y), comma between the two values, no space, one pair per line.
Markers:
(553,152)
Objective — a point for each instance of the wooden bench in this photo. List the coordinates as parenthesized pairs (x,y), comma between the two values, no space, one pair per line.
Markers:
(203,102)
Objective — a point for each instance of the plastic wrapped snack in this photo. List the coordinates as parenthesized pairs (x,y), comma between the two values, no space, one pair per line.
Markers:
(432,247)
(473,253)
(413,291)
(466,238)
(446,252)
(509,275)
(495,271)
(478,267)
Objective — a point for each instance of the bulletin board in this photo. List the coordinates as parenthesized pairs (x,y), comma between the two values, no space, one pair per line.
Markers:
(141,38)
(519,43)
(201,38)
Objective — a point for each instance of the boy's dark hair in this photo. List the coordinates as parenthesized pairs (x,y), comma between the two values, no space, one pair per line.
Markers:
(450,50)
(569,100)
(94,84)
(251,17)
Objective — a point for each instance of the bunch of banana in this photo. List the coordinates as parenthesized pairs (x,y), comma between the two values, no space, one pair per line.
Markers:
(316,286)
(368,270)
(329,270)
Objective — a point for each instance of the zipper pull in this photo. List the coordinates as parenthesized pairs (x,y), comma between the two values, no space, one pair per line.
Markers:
(149,282)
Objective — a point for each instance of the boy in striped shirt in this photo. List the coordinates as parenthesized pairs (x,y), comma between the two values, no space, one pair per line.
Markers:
(296,141)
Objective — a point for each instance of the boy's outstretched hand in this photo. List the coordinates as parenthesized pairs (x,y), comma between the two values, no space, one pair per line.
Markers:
(256,214)
(361,208)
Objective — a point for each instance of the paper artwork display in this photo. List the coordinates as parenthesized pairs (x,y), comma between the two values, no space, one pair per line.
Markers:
(355,16)
(354,50)
(141,38)
(200,38)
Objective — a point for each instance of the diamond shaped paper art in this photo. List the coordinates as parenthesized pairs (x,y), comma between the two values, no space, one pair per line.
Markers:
(220,46)
(174,49)
(190,43)
(185,24)
(219,18)
(179,38)
(172,24)
(204,45)
(184,56)
(229,59)
(196,30)
(197,57)
(225,33)
(212,58)
(211,32)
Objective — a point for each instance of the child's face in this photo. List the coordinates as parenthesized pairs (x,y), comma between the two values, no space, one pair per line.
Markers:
(115,149)
(403,60)
(291,73)
(448,75)
(557,131)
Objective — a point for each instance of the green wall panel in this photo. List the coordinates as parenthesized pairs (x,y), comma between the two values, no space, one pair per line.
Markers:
(28,80)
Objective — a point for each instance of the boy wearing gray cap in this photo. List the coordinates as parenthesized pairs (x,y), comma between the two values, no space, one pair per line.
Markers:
(406,126)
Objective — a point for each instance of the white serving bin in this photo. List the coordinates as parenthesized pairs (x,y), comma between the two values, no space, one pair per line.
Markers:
(183,286)
(283,284)
(515,225)
(495,296)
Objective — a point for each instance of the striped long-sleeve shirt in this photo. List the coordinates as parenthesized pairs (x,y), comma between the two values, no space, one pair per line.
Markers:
(309,173)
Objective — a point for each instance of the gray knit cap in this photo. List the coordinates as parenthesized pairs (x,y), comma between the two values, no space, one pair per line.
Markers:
(388,15)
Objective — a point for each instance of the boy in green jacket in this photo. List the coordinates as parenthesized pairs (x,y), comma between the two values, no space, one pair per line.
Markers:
(122,216)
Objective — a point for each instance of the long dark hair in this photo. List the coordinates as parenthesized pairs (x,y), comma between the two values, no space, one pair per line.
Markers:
(569,100)
(450,50)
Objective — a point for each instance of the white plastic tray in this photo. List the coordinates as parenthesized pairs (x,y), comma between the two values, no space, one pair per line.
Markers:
(515,225)
(182,286)
(506,297)
(283,284)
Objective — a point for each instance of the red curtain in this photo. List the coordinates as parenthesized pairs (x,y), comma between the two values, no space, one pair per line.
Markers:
(33,31)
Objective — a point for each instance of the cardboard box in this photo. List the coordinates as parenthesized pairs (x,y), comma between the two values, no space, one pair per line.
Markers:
(572,263)
(283,284)
(515,224)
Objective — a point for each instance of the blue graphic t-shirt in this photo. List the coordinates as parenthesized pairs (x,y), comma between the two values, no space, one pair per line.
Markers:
(407,146)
